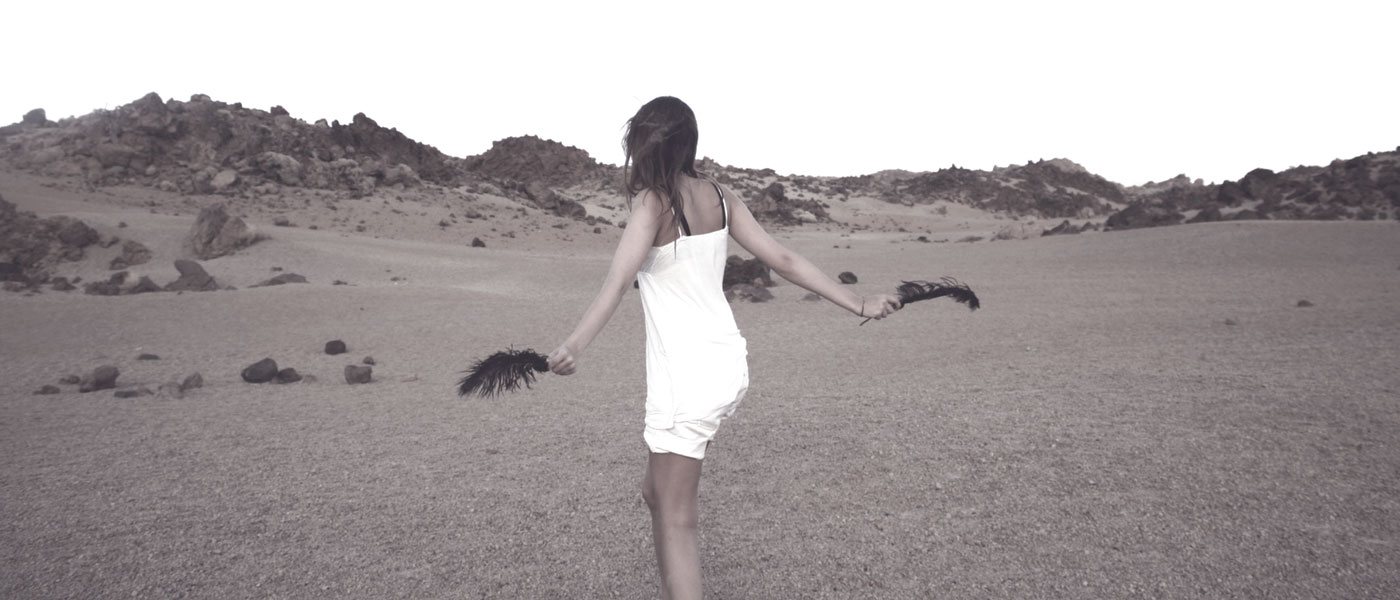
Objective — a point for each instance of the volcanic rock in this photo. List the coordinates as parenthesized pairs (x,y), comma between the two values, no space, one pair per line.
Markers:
(751,271)
(262,371)
(143,286)
(217,234)
(133,253)
(111,287)
(288,375)
(195,380)
(101,378)
(1138,215)
(358,374)
(747,292)
(193,278)
(281,279)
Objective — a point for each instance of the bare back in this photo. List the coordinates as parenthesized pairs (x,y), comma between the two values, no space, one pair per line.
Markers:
(704,213)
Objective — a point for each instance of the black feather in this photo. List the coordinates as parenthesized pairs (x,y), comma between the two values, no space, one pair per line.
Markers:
(914,291)
(501,372)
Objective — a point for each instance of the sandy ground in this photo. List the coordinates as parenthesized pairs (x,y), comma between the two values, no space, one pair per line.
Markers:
(1096,431)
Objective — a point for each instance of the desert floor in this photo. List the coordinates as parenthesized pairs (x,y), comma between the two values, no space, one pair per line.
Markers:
(1097,430)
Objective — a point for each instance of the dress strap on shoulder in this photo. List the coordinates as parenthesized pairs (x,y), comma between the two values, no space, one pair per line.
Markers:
(723,208)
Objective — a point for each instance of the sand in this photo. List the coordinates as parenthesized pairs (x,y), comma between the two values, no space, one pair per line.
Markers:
(1097,430)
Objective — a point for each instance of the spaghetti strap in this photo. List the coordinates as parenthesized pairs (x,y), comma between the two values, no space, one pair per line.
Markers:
(723,209)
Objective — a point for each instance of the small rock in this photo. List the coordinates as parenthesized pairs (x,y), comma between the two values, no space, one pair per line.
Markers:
(281,279)
(357,374)
(147,357)
(339,282)
(1231,322)
(260,372)
(334,347)
(811,297)
(47,389)
(369,360)
(70,380)
(847,277)
(1304,304)
(170,389)
(288,375)
(477,243)
(61,284)
(132,393)
(102,378)
(195,380)
(308,379)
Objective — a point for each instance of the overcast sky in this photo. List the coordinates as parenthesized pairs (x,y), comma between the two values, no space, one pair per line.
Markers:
(1134,91)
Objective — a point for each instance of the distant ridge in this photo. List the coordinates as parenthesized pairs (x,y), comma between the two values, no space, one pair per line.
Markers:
(209,147)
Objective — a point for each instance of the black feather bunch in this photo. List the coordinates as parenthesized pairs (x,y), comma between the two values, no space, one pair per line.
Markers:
(501,372)
(914,291)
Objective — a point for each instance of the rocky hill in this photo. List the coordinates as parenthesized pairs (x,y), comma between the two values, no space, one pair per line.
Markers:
(202,146)
(1365,188)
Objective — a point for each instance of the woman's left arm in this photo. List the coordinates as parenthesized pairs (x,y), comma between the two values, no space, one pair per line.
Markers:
(636,241)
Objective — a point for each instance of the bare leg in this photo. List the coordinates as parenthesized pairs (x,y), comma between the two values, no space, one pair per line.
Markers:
(672,492)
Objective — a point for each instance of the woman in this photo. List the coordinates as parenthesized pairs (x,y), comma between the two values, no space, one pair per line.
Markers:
(674,246)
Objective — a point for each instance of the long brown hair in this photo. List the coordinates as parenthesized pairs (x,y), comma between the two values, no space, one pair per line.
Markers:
(660,147)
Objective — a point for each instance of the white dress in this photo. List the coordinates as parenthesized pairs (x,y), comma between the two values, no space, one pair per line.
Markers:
(697,362)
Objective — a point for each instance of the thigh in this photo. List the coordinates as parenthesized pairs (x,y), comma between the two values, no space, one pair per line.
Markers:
(672,477)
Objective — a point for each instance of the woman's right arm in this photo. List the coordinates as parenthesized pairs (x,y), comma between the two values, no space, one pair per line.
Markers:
(797,269)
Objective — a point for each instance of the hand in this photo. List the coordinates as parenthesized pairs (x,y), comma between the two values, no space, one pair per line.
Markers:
(561,360)
(879,306)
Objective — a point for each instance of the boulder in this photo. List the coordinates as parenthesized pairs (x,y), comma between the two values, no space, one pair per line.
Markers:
(223,180)
(748,293)
(751,271)
(217,234)
(262,371)
(111,287)
(1064,228)
(358,374)
(1139,215)
(143,286)
(193,278)
(101,378)
(279,167)
(334,347)
(133,253)
(36,118)
(847,277)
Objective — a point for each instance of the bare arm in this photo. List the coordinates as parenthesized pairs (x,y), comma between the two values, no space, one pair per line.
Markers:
(797,269)
(636,241)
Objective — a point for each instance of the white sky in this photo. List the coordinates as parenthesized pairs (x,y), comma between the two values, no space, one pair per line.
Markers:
(1134,91)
